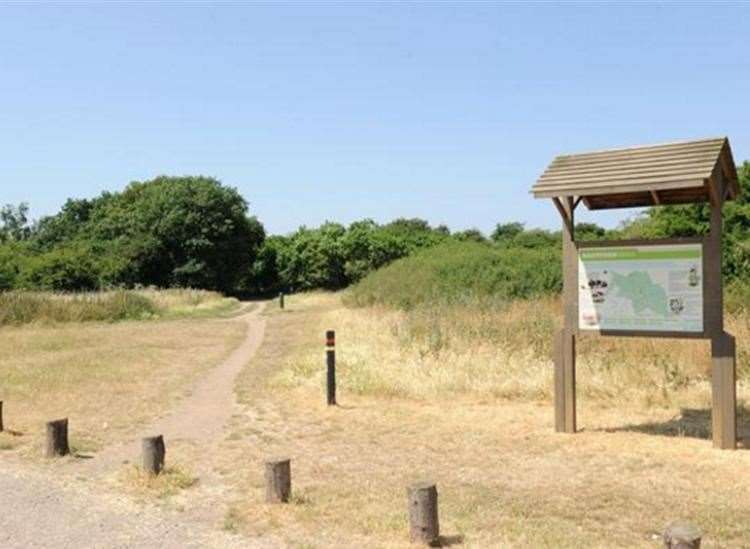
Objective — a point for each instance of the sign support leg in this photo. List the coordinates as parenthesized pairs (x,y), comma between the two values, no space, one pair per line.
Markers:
(565,382)
(723,391)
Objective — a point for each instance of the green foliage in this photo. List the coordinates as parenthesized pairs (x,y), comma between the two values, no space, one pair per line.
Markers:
(14,223)
(171,231)
(693,219)
(505,232)
(333,256)
(71,268)
(470,235)
(462,271)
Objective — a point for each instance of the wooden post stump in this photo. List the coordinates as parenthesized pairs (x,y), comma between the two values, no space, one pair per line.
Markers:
(57,438)
(278,480)
(423,513)
(281,300)
(682,535)
(1,416)
(153,454)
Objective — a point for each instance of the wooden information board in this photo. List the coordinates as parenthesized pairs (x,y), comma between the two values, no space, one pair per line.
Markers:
(649,288)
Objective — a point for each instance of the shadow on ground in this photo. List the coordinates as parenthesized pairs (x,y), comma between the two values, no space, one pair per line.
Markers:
(447,541)
(692,423)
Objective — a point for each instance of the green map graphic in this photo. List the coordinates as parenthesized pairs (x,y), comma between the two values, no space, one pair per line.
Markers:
(642,292)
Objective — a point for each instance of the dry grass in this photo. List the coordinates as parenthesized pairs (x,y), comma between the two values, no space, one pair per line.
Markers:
(170,482)
(185,302)
(24,307)
(107,378)
(490,351)
(409,410)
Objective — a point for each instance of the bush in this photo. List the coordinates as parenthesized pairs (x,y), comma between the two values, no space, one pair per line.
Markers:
(461,272)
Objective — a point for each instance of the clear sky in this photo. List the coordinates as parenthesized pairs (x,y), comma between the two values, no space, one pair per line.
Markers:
(340,111)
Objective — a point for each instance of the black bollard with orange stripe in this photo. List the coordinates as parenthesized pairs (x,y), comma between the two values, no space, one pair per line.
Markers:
(331,362)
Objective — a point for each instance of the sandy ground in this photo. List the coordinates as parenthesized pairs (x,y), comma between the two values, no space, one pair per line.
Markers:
(74,502)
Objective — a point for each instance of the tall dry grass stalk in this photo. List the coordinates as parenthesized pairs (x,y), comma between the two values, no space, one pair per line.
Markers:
(494,349)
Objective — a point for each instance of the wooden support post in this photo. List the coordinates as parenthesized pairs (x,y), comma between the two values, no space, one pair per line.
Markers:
(682,535)
(278,480)
(423,513)
(331,367)
(723,352)
(281,300)
(723,392)
(1,416)
(153,450)
(565,340)
(565,382)
(57,438)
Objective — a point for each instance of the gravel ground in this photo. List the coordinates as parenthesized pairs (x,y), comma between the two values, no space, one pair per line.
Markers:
(36,511)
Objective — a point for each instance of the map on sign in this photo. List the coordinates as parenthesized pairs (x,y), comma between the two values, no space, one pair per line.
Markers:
(644,288)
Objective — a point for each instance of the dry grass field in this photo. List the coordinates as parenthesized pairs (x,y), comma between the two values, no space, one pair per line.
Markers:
(107,377)
(462,397)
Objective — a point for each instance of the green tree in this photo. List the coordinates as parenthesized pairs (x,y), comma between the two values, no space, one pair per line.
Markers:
(505,232)
(14,223)
(170,231)
(693,219)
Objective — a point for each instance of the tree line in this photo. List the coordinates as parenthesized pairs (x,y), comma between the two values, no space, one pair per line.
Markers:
(196,232)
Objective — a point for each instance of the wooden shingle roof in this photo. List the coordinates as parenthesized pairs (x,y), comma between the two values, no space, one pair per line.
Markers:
(671,173)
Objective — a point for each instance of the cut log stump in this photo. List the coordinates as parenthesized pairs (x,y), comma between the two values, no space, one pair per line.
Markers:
(278,480)
(153,454)
(682,535)
(423,513)
(57,438)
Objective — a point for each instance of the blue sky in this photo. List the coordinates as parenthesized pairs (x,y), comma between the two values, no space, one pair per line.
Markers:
(341,111)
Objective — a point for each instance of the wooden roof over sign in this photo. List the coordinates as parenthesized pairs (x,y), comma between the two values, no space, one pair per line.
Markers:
(671,173)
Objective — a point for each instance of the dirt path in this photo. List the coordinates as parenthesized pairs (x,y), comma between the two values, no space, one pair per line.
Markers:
(196,425)
(71,503)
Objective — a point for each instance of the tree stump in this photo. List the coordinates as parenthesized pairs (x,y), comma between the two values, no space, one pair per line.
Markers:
(278,480)
(423,513)
(682,535)
(153,454)
(57,438)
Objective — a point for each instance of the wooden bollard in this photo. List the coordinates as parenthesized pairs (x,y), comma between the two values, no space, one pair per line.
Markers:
(1,416)
(423,513)
(278,480)
(153,454)
(682,535)
(281,300)
(57,438)
(331,367)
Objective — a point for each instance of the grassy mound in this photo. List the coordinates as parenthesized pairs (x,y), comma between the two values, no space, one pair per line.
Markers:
(461,272)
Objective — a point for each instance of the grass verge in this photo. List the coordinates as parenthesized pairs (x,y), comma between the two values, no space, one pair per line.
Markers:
(107,378)
(505,478)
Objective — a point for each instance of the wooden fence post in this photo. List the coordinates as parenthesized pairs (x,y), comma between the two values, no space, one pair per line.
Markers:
(682,535)
(331,367)
(278,480)
(423,513)
(1,416)
(153,454)
(57,438)
(281,300)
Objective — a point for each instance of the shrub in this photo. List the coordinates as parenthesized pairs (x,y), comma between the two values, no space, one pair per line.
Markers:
(461,272)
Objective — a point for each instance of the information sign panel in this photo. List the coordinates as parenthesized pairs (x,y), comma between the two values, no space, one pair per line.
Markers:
(644,288)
